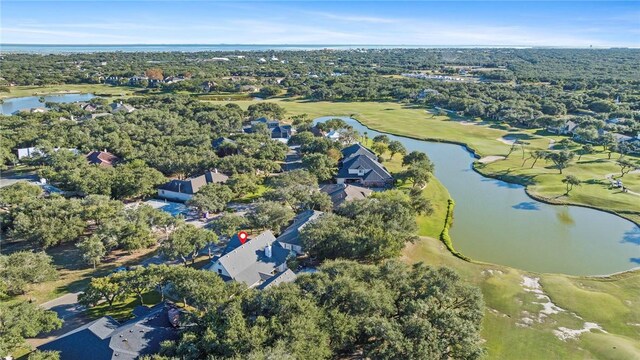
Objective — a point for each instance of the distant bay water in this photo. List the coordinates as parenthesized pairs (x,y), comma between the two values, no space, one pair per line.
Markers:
(70,49)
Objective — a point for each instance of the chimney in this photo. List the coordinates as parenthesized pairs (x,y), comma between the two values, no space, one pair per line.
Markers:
(215,170)
(267,251)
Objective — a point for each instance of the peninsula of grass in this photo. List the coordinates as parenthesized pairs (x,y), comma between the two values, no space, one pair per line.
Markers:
(542,181)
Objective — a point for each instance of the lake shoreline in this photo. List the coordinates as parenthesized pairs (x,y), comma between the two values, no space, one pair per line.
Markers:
(511,180)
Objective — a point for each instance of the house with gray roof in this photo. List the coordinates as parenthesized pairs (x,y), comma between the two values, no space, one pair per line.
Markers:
(120,107)
(279,132)
(357,149)
(341,193)
(107,339)
(290,237)
(565,129)
(183,190)
(255,262)
(281,278)
(360,166)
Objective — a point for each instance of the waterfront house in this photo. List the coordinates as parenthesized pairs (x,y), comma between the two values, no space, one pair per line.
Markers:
(360,165)
(341,193)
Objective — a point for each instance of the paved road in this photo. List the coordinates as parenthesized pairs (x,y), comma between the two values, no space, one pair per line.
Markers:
(10,178)
(69,311)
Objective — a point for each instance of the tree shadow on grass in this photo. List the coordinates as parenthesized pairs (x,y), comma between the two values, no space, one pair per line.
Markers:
(518,136)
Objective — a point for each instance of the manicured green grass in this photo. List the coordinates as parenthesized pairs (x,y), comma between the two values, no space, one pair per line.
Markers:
(428,225)
(611,302)
(98,89)
(254,195)
(504,295)
(122,310)
(543,180)
(74,274)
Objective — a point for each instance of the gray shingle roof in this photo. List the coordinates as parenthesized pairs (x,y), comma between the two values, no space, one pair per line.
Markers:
(248,263)
(106,339)
(340,193)
(357,149)
(283,277)
(192,185)
(374,171)
(291,235)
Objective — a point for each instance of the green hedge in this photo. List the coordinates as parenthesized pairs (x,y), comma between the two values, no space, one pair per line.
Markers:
(444,235)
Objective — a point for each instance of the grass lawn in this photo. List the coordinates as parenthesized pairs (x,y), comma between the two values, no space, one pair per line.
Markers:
(611,302)
(98,89)
(122,309)
(542,181)
(254,195)
(74,274)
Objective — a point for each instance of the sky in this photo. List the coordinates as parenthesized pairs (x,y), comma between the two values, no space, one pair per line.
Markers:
(524,23)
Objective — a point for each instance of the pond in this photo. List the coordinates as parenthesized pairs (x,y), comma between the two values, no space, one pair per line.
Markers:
(497,222)
(9,106)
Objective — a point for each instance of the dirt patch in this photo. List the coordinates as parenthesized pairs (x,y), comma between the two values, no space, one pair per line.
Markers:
(506,141)
(490,159)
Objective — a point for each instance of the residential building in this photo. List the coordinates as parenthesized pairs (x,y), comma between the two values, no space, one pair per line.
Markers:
(360,166)
(102,158)
(24,153)
(290,237)
(357,149)
(88,107)
(564,129)
(255,262)
(293,159)
(224,146)
(333,135)
(107,339)
(341,193)
(280,278)
(120,107)
(278,131)
(93,116)
(33,151)
(183,190)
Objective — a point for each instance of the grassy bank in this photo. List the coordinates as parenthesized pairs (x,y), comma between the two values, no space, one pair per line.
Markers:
(542,180)
(515,326)
(610,302)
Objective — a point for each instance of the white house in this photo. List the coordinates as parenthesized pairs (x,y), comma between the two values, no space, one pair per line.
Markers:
(254,263)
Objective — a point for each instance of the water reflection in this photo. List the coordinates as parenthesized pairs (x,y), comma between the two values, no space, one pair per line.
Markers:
(632,236)
(498,222)
(527,205)
(565,217)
